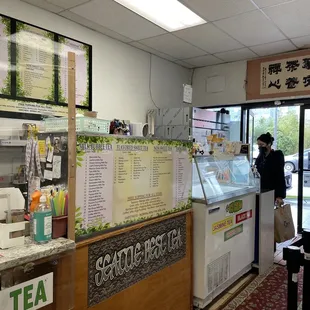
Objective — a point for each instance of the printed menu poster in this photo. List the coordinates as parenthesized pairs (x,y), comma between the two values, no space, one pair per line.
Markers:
(95,182)
(34,62)
(5,77)
(182,173)
(143,176)
(82,70)
(126,180)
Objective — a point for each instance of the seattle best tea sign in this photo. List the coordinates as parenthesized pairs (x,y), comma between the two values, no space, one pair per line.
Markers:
(119,262)
(31,295)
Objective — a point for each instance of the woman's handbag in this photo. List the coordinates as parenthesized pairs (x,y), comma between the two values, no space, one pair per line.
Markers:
(284,229)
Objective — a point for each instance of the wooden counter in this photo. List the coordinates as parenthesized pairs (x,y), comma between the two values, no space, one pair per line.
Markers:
(168,288)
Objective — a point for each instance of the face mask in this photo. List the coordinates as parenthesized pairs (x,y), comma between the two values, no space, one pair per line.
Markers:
(262,149)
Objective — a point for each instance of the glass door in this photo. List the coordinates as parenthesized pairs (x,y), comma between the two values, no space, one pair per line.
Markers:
(283,124)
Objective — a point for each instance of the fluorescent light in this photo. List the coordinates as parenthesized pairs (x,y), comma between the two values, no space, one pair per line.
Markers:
(168,14)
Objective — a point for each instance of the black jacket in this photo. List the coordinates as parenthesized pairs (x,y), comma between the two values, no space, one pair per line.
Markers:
(271,170)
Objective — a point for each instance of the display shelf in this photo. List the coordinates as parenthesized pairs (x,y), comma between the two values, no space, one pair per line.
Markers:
(216,180)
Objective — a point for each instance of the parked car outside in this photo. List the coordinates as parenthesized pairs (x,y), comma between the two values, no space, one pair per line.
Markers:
(288,179)
(291,161)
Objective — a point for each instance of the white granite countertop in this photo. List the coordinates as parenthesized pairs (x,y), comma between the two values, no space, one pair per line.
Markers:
(31,251)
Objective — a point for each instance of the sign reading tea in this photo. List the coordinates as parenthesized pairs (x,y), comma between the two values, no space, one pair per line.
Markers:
(119,262)
(34,294)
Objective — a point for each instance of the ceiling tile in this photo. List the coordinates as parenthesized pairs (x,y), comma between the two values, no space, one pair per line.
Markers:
(66,4)
(266,3)
(292,18)
(213,10)
(184,64)
(45,5)
(151,50)
(302,42)
(252,28)
(202,61)
(273,48)
(89,24)
(241,54)
(114,16)
(209,38)
(173,46)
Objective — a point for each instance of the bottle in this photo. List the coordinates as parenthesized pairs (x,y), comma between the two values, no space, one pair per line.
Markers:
(42,222)
(256,179)
(35,200)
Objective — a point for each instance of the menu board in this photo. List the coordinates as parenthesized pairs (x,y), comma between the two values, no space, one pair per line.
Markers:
(7,105)
(82,70)
(126,180)
(34,69)
(34,62)
(5,77)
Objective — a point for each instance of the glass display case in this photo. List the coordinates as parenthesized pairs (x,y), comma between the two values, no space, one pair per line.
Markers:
(216,179)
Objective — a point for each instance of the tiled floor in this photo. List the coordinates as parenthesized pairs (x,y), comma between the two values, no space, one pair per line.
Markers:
(225,298)
(231,293)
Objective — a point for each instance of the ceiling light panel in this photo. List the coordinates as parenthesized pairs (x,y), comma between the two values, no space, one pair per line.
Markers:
(168,14)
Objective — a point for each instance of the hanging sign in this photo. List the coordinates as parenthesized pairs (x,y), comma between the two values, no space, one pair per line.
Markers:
(279,76)
(31,295)
(116,263)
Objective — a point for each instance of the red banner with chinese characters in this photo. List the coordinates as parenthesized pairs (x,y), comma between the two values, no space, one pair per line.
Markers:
(241,217)
(279,76)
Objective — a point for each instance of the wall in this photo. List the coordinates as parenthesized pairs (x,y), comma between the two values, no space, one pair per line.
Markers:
(229,85)
(120,72)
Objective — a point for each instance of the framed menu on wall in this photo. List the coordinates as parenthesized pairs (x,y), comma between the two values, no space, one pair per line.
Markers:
(34,62)
(5,55)
(34,70)
(81,51)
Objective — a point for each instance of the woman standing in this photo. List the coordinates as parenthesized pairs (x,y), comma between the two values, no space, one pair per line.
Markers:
(270,165)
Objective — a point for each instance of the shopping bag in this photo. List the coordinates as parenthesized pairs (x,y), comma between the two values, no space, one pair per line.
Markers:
(284,229)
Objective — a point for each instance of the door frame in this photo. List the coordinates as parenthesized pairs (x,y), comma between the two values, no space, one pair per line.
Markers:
(304,104)
(301,168)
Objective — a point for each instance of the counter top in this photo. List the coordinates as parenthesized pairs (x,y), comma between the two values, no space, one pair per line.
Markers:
(31,251)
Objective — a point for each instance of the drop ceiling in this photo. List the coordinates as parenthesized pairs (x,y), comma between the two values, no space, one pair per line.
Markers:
(235,29)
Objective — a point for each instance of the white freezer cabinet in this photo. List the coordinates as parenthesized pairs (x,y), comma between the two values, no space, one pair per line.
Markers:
(224,224)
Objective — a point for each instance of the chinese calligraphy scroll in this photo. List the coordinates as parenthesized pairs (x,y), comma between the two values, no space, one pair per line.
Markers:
(279,76)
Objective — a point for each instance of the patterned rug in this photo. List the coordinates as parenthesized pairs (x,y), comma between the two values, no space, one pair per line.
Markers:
(266,292)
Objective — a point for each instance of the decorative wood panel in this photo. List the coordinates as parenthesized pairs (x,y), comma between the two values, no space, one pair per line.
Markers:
(170,288)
